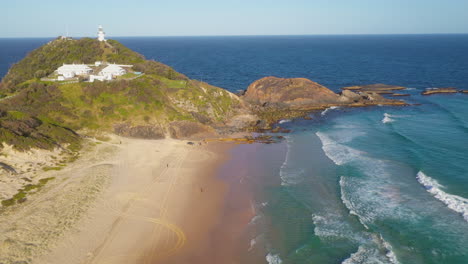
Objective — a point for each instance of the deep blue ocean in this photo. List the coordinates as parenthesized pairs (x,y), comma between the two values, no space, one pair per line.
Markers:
(373,185)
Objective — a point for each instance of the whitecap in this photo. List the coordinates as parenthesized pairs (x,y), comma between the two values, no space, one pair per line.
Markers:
(387,119)
(366,255)
(390,254)
(284,121)
(454,202)
(338,153)
(324,112)
(332,226)
(273,259)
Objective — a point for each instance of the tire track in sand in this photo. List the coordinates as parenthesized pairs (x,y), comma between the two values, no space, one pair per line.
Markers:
(160,224)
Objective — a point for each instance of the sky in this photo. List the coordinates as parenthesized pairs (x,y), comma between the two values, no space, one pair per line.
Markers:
(51,18)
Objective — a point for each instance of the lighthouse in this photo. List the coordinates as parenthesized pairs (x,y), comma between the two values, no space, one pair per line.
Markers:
(101,34)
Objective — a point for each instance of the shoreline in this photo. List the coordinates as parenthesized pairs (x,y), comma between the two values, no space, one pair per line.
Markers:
(134,201)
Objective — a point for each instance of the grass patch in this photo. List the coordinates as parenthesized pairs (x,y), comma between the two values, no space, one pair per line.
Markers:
(51,168)
(22,193)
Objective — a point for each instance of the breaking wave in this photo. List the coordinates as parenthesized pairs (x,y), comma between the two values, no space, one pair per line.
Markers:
(348,204)
(338,153)
(454,202)
(324,112)
(366,255)
(332,226)
(284,121)
(273,259)
(372,195)
(387,119)
(390,254)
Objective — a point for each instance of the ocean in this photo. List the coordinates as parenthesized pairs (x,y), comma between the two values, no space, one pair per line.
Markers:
(369,185)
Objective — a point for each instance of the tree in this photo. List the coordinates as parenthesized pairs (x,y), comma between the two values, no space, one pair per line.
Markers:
(40,73)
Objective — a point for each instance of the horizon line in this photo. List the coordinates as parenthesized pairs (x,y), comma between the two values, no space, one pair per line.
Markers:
(251,35)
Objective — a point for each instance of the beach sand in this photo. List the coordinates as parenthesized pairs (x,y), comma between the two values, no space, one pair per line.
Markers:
(130,201)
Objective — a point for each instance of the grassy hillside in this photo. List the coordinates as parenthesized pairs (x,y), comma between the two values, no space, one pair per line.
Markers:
(24,131)
(151,99)
(157,98)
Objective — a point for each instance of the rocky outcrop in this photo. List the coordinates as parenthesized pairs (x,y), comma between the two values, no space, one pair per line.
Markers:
(375,88)
(291,93)
(146,132)
(190,130)
(303,94)
(448,90)
(399,94)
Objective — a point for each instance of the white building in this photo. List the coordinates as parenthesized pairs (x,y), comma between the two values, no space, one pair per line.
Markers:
(101,34)
(101,78)
(71,70)
(113,70)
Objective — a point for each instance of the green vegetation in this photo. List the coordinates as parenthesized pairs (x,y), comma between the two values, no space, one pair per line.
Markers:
(21,195)
(46,114)
(51,168)
(24,131)
(46,59)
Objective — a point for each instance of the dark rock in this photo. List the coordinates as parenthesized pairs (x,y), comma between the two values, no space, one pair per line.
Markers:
(8,168)
(188,129)
(347,96)
(146,132)
(201,118)
(279,129)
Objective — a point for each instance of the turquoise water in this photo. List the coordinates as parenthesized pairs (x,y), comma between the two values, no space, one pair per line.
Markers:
(373,185)
(394,187)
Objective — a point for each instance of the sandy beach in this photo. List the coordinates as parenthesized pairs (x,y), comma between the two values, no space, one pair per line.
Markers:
(126,201)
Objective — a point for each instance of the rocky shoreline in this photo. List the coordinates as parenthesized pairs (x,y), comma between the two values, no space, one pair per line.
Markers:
(448,90)
(272,99)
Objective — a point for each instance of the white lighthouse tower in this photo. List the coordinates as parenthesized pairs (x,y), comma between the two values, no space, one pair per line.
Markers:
(101,34)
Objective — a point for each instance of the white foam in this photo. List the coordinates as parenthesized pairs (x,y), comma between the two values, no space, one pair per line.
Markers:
(254,220)
(332,226)
(273,259)
(284,121)
(348,204)
(290,175)
(365,255)
(253,242)
(387,119)
(454,202)
(390,254)
(338,153)
(324,112)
